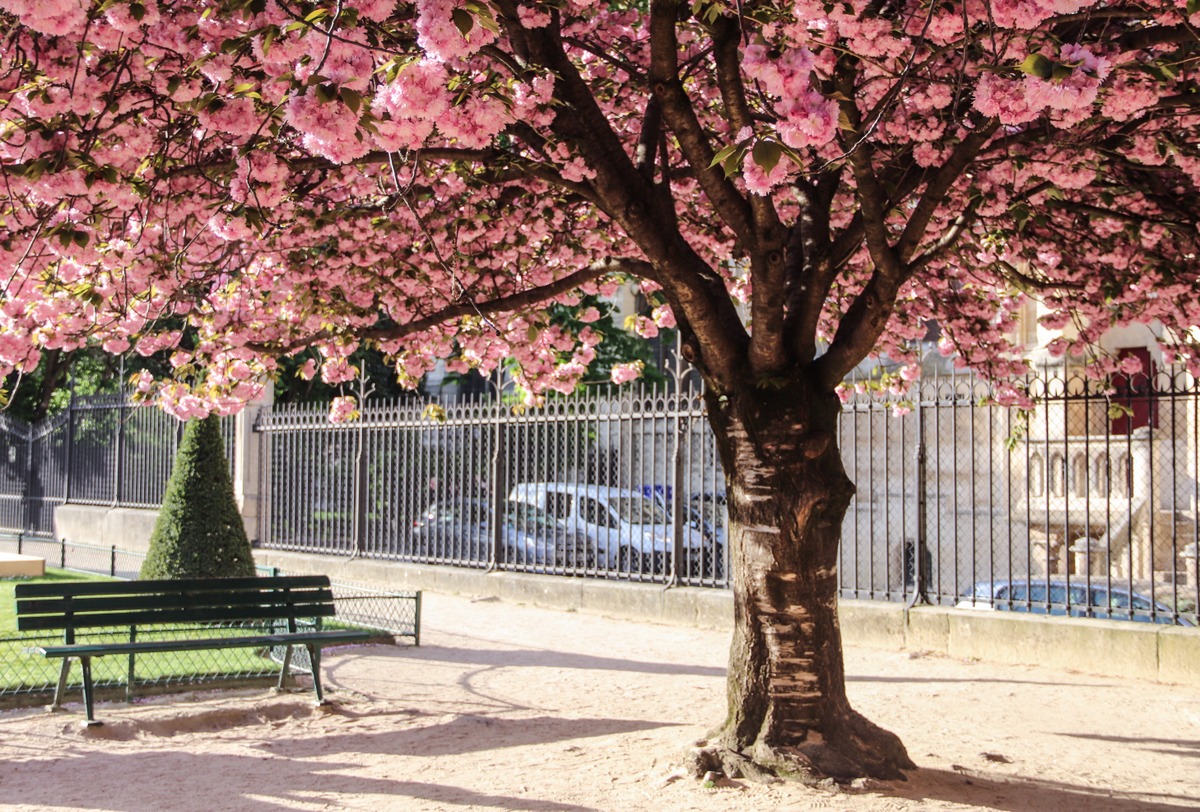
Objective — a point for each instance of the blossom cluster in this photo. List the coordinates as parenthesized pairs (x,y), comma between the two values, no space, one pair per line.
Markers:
(224,184)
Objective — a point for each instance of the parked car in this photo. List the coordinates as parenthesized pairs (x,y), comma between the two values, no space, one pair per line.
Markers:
(462,529)
(1059,597)
(630,531)
(712,508)
(455,529)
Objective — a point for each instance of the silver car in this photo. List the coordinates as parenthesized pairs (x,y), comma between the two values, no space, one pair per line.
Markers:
(461,530)
(1076,598)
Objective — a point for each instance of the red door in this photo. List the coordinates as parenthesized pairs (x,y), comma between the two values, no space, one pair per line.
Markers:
(1135,393)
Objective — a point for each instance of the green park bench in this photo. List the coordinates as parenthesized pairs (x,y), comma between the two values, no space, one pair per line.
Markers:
(283,611)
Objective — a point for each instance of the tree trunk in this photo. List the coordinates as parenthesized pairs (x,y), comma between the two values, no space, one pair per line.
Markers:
(787,496)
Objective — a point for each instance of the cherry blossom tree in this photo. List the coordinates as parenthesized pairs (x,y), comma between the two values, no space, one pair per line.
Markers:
(232,182)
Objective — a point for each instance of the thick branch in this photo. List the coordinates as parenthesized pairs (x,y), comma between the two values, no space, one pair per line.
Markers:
(946,241)
(768,270)
(681,117)
(1150,37)
(936,190)
(647,146)
(817,270)
(502,304)
(646,212)
(867,316)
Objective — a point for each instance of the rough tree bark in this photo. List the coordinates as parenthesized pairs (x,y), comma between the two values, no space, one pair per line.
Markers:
(788,493)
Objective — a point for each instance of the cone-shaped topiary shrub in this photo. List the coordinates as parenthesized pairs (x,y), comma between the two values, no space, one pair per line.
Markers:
(199,532)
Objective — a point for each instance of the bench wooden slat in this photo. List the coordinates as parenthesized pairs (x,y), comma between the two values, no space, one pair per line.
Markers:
(80,606)
(326,637)
(216,614)
(71,588)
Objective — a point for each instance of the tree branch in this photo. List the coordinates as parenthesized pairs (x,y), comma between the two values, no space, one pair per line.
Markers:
(937,189)
(681,118)
(502,304)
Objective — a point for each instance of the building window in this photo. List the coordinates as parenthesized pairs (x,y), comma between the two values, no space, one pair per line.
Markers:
(1058,475)
(1103,475)
(1079,475)
(1037,475)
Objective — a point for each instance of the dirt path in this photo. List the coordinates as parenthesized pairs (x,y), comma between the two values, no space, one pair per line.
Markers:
(516,708)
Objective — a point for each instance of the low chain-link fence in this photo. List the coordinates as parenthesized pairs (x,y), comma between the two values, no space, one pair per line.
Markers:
(25,674)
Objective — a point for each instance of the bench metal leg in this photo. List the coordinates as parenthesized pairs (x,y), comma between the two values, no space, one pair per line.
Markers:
(314,656)
(89,701)
(287,661)
(61,689)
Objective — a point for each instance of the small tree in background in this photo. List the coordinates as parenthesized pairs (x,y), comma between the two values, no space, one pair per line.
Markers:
(199,532)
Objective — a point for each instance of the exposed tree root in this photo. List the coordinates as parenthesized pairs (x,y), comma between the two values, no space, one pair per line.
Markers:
(860,749)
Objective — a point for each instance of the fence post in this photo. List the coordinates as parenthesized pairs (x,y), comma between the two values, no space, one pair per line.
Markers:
(499,491)
(62,554)
(70,445)
(678,520)
(919,552)
(26,487)
(359,528)
(119,461)
(112,561)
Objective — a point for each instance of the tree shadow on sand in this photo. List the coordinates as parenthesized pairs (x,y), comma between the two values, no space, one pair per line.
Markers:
(548,658)
(466,733)
(250,784)
(1029,794)
(1177,747)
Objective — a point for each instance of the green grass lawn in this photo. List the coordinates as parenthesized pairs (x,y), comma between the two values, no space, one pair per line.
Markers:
(22,670)
(8,588)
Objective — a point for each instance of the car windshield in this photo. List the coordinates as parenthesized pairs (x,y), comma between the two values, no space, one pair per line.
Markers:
(468,512)
(525,515)
(638,510)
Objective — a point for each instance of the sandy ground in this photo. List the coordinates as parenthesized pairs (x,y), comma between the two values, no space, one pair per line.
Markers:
(517,708)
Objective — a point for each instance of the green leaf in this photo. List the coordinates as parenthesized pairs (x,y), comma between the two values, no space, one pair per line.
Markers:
(325,93)
(137,11)
(1061,72)
(268,38)
(483,16)
(767,154)
(1038,65)
(1192,7)
(722,154)
(463,21)
(316,14)
(733,163)
(352,98)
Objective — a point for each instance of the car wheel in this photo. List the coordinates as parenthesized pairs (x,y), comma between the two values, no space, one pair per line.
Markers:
(580,553)
(628,561)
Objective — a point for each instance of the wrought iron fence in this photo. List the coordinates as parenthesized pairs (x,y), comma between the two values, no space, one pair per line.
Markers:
(1085,505)
(394,614)
(99,451)
(583,486)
